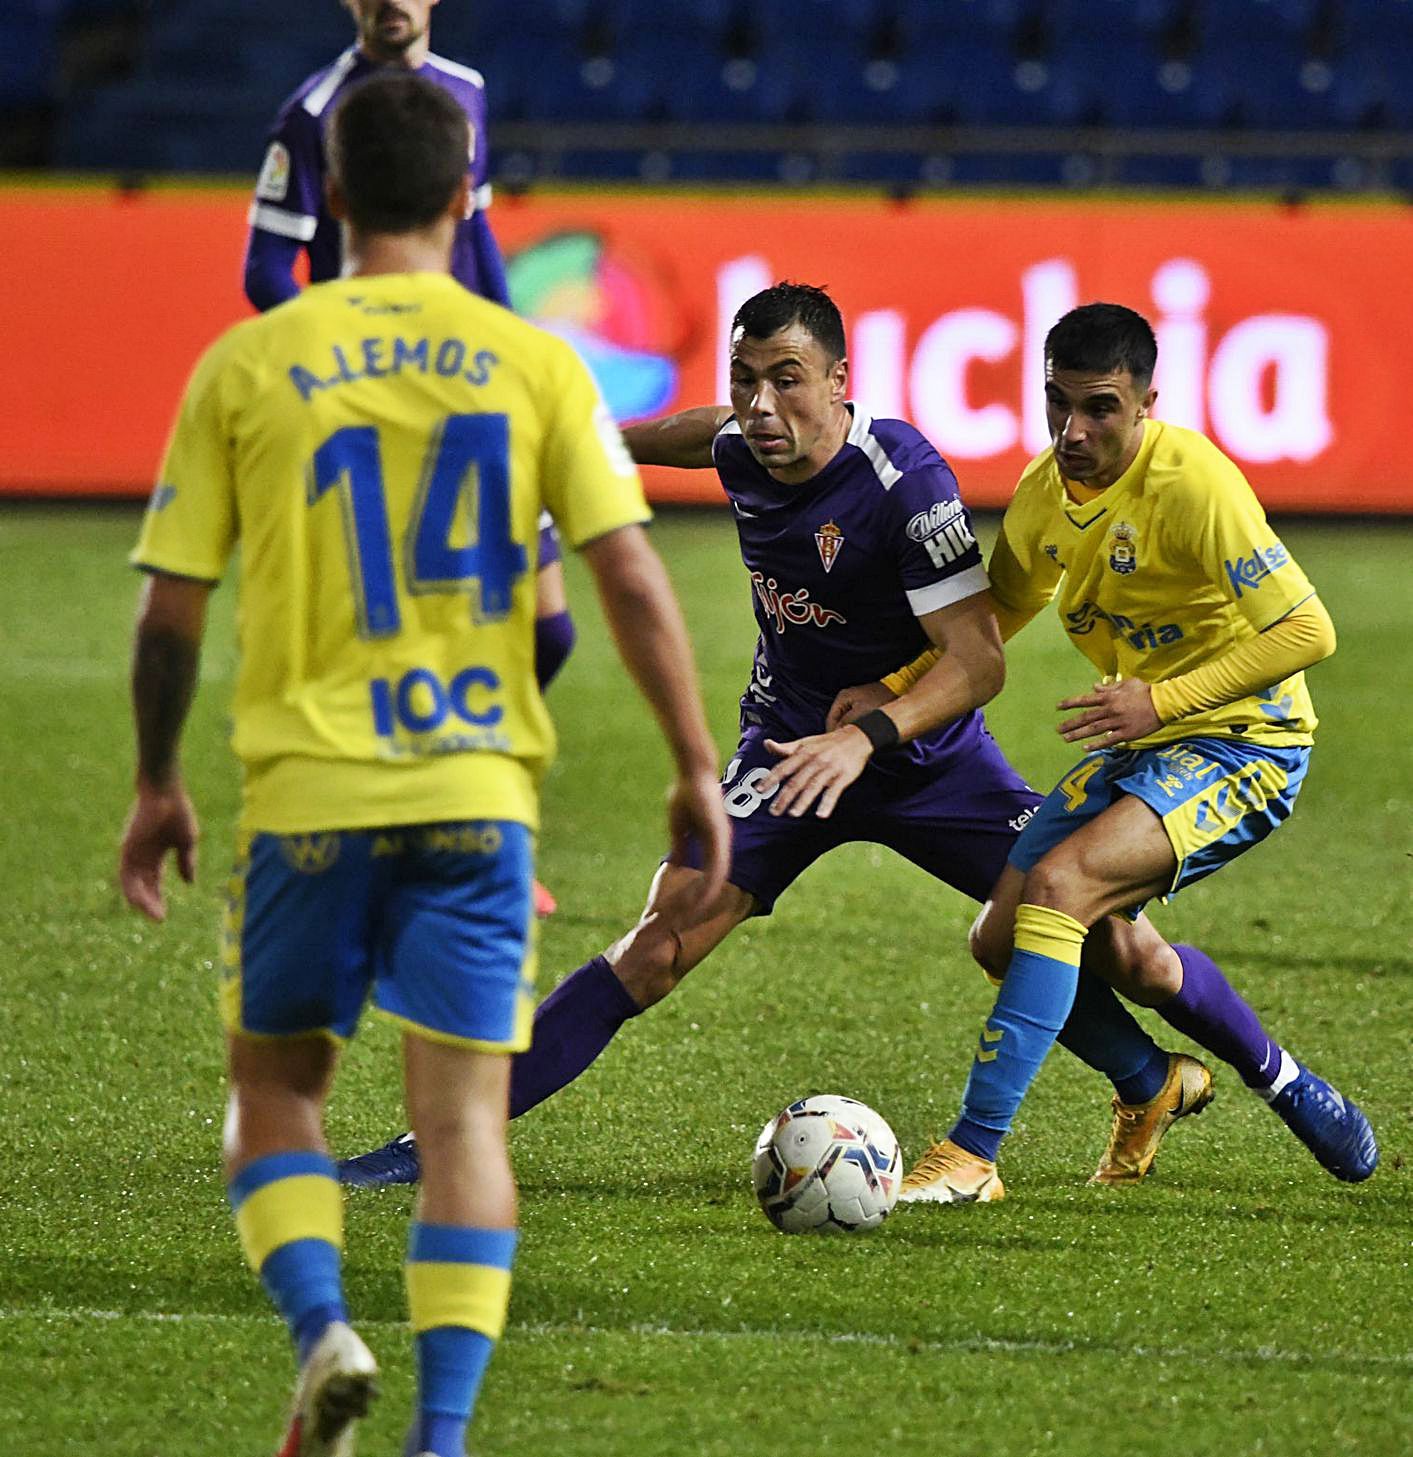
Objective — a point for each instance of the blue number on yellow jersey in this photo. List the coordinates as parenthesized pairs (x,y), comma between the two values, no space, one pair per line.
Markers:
(1172,566)
(383,447)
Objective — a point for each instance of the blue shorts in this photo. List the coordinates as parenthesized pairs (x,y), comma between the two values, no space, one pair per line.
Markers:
(1215,797)
(957,819)
(435,919)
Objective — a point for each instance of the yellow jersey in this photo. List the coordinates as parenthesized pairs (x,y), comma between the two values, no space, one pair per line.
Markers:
(1167,569)
(383,447)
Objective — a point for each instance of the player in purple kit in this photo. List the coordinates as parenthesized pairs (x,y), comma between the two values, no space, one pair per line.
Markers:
(858,546)
(289,215)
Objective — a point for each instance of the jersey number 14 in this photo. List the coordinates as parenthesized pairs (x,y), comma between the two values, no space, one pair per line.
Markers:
(467,453)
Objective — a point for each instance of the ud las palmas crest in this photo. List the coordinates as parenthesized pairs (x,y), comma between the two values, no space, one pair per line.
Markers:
(1123,549)
(828,539)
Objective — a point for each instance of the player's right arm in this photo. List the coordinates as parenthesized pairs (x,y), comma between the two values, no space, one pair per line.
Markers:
(165,660)
(284,213)
(187,537)
(682,440)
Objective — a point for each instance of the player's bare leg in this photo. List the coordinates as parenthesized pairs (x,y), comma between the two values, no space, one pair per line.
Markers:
(289,1213)
(463,1234)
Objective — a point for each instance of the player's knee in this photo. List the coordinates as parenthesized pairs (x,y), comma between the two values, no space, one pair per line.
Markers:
(1058,884)
(990,944)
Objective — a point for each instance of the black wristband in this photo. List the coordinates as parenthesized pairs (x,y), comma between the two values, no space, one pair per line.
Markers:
(879,729)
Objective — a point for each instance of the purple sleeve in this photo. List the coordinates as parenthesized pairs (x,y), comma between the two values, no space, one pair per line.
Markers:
(289,195)
(490,266)
(938,555)
(269,268)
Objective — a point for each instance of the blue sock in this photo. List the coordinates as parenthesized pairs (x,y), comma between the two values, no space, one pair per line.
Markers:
(1031,1007)
(458,1286)
(1103,1034)
(289,1213)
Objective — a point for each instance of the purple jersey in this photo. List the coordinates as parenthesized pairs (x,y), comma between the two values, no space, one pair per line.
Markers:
(289,196)
(841,568)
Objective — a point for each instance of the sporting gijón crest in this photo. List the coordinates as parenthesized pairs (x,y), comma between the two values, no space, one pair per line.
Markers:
(830,540)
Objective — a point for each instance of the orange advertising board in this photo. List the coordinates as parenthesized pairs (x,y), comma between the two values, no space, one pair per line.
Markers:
(1281,329)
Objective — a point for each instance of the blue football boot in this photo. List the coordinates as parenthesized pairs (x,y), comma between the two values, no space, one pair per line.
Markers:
(1329,1125)
(394,1163)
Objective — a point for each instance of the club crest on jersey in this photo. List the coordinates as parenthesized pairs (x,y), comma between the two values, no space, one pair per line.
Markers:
(829,539)
(786,607)
(1123,549)
(273,183)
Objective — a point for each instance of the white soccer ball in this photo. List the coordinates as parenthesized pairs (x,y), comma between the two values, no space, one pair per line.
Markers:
(827,1164)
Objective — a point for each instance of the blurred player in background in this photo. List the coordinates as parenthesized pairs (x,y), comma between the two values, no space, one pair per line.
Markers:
(390,727)
(857,543)
(1173,585)
(289,215)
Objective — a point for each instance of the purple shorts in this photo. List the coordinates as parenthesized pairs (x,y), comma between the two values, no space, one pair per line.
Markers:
(956,819)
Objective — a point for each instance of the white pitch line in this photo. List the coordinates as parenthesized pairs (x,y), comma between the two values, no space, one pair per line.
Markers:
(983,1345)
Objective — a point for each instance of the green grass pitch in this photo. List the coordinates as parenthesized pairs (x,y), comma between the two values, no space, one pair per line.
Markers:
(1240,1301)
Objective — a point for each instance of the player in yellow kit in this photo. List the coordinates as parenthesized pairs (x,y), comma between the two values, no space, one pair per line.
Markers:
(1171,582)
(382,448)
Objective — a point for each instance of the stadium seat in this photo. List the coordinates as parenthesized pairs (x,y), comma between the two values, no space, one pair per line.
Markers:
(29,56)
(734,89)
(1233,22)
(1103,20)
(1272,86)
(925,20)
(987,86)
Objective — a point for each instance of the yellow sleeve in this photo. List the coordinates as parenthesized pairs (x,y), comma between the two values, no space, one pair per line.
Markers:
(1020,588)
(191,523)
(905,677)
(588,479)
(1303,637)
(1236,547)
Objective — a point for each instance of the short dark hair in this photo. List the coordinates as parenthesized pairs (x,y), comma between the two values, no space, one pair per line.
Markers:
(784,304)
(397,148)
(1096,338)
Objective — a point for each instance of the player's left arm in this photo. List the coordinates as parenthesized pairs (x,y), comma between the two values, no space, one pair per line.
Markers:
(970,671)
(166,657)
(490,263)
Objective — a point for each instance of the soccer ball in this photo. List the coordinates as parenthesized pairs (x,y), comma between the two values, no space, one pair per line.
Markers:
(827,1164)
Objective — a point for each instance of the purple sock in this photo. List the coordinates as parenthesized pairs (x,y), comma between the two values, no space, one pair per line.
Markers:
(1208,1010)
(572,1026)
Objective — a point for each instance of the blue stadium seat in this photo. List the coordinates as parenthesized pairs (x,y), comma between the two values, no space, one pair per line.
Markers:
(734,90)
(29,56)
(783,25)
(1227,22)
(630,18)
(558,83)
(1143,88)
(1102,20)
(925,20)
(987,86)
(1272,86)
